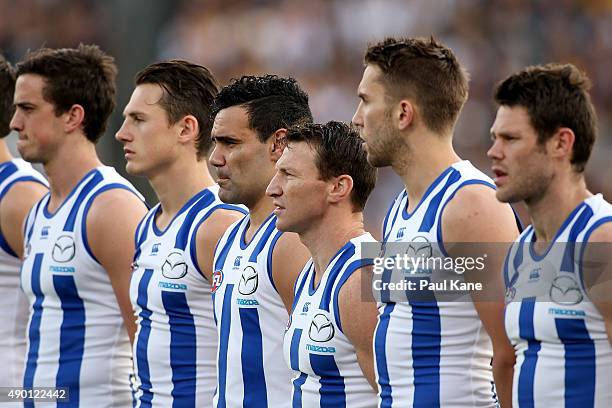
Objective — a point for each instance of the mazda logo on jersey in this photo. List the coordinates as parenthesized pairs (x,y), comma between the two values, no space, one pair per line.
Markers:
(174,267)
(217,280)
(419,248)
(321,329)
(565,291)
(248,281)
(63,249)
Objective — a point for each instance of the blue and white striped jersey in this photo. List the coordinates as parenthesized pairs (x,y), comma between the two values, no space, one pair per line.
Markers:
(76,336)
(432,353)
(12,300)
(176,341)
(251,319)
(563,354)
(323,360)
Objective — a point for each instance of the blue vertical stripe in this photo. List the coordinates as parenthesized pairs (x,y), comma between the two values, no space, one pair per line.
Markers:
(254,379)
(527,370)
(193,241)
(71,219)
(342,256)
(204,200)
(182,348)
(263,239)
(142,341)
(426,347)
(34,330)
(226,248)
(7,171)
(567,263)
(332,392)
(405,214)
(579,363)
(429,218)
(294,351)
(380,353)
(297,390)
(224,333)
(72,336)
(88,205)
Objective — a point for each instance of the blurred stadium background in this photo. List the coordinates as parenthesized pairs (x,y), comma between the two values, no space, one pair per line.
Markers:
(321,43)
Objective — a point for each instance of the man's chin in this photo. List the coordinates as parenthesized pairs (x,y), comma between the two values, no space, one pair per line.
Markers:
(505,196)
(227,197)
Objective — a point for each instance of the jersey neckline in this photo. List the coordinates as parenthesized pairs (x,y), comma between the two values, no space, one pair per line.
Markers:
(49,214)
(160,232)
(405,214)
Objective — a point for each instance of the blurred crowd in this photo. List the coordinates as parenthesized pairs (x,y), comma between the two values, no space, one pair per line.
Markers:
(321,43)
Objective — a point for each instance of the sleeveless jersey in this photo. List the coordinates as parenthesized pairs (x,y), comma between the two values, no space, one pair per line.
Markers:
(12,300)
(76,336)
(176,342)
(563,354)
(432,353)
(251,319)
(324,361)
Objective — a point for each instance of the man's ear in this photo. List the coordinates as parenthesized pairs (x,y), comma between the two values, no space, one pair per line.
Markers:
(404,113)
(340,188)
(277,144)
(74,118)
(561,144)
(189,129)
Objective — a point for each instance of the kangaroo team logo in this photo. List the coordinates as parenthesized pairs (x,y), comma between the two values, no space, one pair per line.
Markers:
(217,280)
(248,281)
(174,267)
(565,291)
(321,329)
(63,249)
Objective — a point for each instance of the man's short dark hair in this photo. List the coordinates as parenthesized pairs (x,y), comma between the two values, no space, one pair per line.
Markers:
(339,150)
(427,72)
(76,76)
(189,89)
(555,96)
(7,89)
(271,102)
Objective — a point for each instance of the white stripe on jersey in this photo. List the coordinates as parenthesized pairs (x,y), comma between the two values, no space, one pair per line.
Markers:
(326,370)
(13,303)
(176,343)
(563,355)
(76,336)
(432,353)
(251,319)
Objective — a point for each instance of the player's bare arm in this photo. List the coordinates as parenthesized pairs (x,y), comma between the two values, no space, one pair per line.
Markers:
(14,208)
(475,215)
(358,316)
(112,242)
(288,259)
(598,273)
(209,233)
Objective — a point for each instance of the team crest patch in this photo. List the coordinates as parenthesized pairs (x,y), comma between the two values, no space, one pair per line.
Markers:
(217,280)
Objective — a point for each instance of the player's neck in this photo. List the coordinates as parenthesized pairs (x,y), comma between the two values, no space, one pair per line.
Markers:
(423,165)
(70,164)
(326,236)
(259,212)
(175,184)
(5,154)
(549,212)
